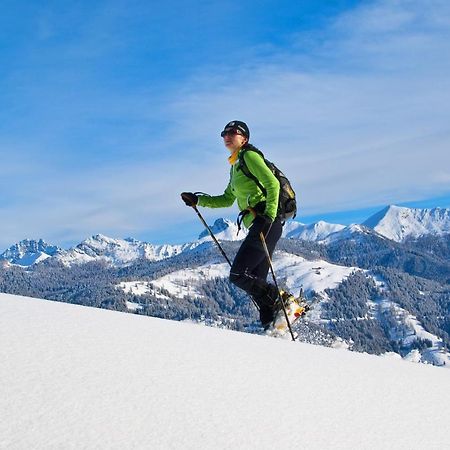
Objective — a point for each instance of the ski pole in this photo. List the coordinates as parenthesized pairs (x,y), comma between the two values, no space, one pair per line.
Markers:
(218,245)
(266,250)
(212,234)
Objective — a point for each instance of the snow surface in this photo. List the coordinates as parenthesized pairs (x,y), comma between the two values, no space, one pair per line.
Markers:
(77,377)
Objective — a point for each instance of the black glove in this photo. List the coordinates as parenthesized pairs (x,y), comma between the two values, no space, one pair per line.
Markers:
(262,224)
(189,198)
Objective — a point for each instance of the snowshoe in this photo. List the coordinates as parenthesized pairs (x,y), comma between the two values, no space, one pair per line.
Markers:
(295,309)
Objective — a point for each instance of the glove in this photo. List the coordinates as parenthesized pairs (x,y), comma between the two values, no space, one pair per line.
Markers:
(262,224)
(189,198)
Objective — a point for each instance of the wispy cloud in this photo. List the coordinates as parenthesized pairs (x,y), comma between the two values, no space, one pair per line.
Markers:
(356,113)
(360,117)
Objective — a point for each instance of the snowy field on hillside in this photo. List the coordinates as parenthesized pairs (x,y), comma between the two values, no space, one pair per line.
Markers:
(294,272)
(179,283)
(77,377)
(318,275)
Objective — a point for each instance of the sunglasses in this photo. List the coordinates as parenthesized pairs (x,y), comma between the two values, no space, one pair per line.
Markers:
(231,132)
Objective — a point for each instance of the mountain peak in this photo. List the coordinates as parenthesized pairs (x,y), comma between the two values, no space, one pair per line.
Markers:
(399,222)
(225,230)
(29,251)
(316,231)
(100,238)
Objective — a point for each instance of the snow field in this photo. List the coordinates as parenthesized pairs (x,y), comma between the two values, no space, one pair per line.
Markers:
(179,283)
(294,271)
(318,275)
(78,377)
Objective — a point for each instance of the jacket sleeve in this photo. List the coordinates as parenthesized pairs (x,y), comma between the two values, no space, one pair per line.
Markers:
(257,166)
(218,201)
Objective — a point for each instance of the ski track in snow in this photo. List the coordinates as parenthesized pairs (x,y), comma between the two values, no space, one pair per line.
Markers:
(77,377)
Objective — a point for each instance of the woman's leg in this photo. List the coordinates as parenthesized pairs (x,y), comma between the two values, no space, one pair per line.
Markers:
(250,268)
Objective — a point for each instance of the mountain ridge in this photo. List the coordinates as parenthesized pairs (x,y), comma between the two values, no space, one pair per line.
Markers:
(399,223)
(392,222)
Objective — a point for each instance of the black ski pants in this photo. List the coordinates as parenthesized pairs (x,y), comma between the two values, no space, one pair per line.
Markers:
(250,266)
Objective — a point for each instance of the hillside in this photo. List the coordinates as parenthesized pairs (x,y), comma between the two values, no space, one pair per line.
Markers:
(78,377)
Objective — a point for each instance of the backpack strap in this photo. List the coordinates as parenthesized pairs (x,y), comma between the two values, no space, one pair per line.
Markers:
(246,170)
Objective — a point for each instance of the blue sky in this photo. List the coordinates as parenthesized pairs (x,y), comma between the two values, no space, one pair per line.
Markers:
(109,109)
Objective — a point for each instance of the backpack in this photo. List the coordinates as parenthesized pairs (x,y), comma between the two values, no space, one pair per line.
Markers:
(287,205)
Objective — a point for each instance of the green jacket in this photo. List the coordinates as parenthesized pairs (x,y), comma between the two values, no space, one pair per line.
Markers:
(245,190)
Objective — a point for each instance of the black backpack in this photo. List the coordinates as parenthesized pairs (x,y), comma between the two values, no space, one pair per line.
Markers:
(287,205)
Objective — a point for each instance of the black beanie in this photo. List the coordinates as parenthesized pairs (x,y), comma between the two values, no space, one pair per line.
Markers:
(238,125)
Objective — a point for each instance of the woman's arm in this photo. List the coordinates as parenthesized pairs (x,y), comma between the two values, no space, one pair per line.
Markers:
(218,201)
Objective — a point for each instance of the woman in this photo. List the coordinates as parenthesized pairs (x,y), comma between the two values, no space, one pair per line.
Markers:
(258,213)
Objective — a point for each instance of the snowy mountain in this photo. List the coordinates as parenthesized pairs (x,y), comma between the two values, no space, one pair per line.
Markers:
(352,232)
(224,230)
(29,252)
(180,385)
(395,223)
(316,231)
(398,223)
(117,252)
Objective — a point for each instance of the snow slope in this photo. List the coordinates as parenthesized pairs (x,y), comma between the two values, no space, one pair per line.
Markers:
(76,377)
(318,275)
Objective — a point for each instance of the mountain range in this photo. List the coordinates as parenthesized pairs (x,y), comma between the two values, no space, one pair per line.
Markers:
(395,223)
(382,286)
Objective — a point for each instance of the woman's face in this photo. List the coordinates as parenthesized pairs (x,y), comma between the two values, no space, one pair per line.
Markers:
(234,141)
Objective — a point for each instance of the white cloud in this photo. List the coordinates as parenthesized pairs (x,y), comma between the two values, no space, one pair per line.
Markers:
(360,120)
(119,200)
(356,114)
